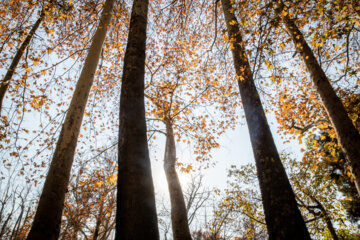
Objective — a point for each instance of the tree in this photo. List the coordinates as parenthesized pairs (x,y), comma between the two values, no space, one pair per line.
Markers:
(177,98)
(196,200)
(348,135)
(16,212)
(316,196)
(323,146)
(283,218)
(48,215)
(46,9)
(191,98)
(178,209)
(135,193)
(6,80)
(300,113)
(90,203)
(317,199)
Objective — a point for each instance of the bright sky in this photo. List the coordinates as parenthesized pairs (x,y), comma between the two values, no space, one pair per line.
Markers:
(235,149)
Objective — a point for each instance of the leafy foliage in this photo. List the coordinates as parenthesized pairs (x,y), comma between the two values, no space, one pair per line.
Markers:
(189,82)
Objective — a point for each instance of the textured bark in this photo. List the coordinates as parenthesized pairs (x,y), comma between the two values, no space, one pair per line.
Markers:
(48,215)
(8,76)
(179,220)
(347,135)
(136,217)
(283,218)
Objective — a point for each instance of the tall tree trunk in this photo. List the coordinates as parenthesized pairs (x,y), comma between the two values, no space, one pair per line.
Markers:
(98,222)
(136,217)
(283,218)
(347,135)
(48,215)
(180,225)
(7,79)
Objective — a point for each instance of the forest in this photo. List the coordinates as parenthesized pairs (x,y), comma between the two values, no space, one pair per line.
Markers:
(118,117)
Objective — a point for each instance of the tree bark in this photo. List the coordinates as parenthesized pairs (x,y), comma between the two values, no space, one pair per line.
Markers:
(48,215)
(179,220)
(347,135)
(283,218)
(136,217)
(10,72)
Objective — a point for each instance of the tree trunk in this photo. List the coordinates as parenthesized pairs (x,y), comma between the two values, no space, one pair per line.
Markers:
(6,80)
(327,219)
(347,135)
(18,222)
(136,217)
(283,218)
(180,225)
(48,215)
(98,222)
(330,226)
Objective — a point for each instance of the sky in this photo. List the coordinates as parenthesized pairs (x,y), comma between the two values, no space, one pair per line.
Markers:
(235,149)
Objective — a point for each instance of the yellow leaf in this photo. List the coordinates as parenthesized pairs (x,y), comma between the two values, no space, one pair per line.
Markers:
(99,184)
(36,62)
(232,22)
(269,65)
(112,179)
(284,13)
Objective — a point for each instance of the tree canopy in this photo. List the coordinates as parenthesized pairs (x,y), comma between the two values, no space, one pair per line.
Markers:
(94,94)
